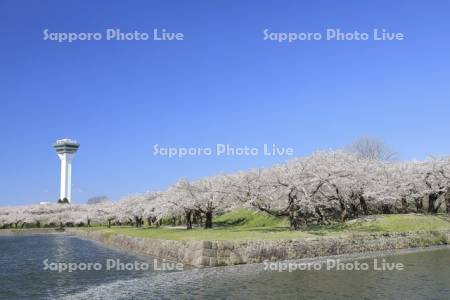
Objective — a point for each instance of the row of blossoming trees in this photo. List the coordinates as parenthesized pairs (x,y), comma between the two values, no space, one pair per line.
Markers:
(319,189)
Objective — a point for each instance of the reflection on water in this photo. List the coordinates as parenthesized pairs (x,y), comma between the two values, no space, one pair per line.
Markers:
(22,259)
(426,276)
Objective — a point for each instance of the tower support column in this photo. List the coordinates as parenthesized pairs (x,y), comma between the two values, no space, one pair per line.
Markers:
(66,176)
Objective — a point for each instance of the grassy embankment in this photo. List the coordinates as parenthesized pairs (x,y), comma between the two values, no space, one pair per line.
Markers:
(245,225)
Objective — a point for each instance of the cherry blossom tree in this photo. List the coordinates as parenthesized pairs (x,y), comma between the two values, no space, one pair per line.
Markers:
(321,188)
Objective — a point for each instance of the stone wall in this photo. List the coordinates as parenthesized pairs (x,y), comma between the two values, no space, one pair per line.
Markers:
(221,253)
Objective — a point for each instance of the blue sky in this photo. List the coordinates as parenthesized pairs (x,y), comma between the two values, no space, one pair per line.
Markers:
(222,84)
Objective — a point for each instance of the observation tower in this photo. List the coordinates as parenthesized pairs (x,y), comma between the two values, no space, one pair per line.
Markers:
(66,149)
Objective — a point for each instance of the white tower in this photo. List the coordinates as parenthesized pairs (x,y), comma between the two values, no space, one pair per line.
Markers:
(66,149)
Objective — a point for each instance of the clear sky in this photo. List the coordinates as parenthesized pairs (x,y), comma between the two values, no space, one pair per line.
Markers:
(222,84)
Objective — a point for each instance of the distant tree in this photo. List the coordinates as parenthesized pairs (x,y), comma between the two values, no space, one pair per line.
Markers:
(371,148)
(98,200)
(63,201)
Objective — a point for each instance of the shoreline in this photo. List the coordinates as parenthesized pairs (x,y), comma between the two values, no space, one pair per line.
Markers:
(259,267)
(206,253)
(225,253)
(30,231)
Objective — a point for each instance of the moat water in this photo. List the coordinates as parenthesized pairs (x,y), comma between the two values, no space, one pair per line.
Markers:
(27,265)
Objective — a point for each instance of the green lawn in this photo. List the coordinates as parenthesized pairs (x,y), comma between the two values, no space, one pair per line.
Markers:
(402,223)
(246,225)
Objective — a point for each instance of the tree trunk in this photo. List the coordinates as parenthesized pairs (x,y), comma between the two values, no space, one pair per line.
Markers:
(321,217)
(432,199)
(188,216)
(208,221)
(294,221)
(404,205)
(363,204)
(344,211)
(385,209)
(293,210)
(353,210)
(447,200)
(419,204)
